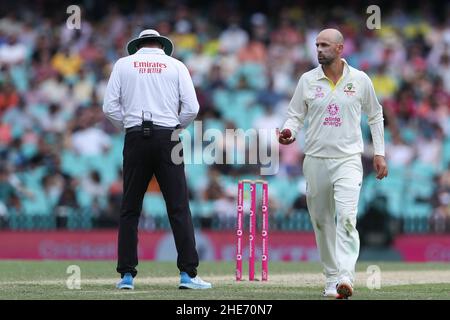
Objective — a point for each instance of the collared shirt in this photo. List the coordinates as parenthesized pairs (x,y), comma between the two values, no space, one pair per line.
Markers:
(152,82)
(332,113)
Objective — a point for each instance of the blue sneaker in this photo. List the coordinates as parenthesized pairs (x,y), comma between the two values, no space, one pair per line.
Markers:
(186,282)
(126,282)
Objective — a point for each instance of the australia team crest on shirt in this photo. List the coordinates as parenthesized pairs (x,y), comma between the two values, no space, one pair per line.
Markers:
(349,89)
(333,118)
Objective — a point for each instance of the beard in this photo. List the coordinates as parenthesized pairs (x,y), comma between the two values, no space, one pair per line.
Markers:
(323,60)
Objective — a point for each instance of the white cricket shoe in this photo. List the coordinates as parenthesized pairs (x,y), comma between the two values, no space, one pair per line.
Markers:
(330,289)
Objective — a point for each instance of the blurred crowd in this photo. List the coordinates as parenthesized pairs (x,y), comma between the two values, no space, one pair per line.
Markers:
(59,156)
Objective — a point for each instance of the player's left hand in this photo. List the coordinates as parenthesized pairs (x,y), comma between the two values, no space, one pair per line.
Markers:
(380,166)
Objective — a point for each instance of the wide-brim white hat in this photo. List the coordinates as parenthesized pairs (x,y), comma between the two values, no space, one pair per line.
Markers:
(167,44)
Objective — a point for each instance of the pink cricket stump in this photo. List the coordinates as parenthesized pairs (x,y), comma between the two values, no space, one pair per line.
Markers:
(252,229)
(239,230)
(252,233)
(265,232)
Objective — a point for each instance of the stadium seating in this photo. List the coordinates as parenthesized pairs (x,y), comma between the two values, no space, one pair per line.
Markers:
(35,145)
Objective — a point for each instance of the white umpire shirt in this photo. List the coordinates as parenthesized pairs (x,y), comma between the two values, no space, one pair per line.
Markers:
(332,113)
(150,81)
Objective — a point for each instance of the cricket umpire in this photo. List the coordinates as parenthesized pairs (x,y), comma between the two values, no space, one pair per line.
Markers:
(330,99)
(150,94)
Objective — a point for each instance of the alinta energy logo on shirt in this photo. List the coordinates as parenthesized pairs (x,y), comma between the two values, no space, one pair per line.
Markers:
(333,119)
(149,67)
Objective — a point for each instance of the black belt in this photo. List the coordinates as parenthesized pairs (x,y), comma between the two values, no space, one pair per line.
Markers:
(155,127)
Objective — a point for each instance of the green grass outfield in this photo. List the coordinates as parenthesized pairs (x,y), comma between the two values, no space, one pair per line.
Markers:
(159,280)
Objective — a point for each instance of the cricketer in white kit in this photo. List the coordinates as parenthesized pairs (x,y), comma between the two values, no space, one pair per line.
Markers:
(328,101)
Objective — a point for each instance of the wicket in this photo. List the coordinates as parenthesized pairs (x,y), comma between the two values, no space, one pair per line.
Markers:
(252,229)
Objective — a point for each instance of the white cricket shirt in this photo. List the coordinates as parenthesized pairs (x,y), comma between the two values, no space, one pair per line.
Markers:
(332,113)
(150,81)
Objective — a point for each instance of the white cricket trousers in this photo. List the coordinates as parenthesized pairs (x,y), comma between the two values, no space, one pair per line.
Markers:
(332,194)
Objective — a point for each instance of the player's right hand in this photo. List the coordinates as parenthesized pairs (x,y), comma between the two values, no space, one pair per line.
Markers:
(285,136)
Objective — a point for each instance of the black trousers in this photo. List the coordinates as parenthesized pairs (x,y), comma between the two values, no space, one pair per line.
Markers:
(143,158)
